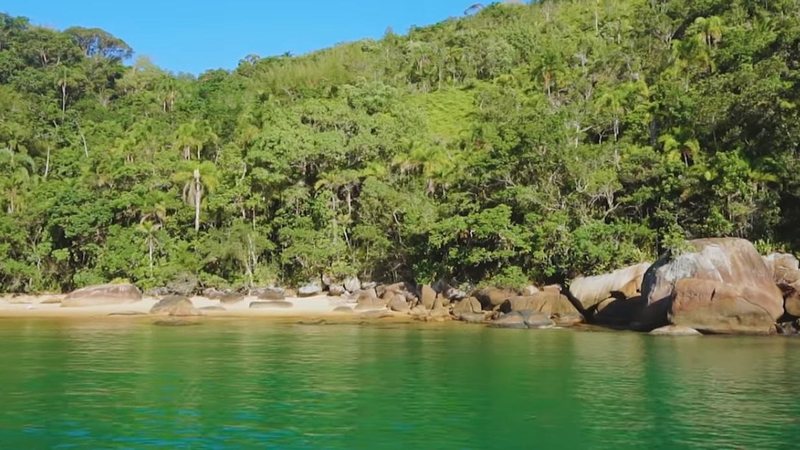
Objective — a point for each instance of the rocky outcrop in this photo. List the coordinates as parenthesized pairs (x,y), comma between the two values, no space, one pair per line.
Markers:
(102,295)
(176,306)
(718,286)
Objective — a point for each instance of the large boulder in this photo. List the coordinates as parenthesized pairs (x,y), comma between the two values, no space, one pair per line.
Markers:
(103,295)
(176,306)
(617,311)
(591,291)
(368,300)
(717,286)
(491,298)
(467,306)
(428,296)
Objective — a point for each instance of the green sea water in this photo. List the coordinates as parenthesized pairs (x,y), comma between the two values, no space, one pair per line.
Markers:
(257,384)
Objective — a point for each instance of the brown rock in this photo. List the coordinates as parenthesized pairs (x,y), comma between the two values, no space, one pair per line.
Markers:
(491,298)
(428,296)
(720,286)
(469,305)
(368,299)
(622,283)
(175,305)
(399,303)
(102,295)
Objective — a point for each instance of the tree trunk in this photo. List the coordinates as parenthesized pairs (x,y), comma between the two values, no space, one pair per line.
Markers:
(198,189)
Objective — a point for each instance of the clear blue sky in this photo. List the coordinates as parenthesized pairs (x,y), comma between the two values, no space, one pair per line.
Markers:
(193,36)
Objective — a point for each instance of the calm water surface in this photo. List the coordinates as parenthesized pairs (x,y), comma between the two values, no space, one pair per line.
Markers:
(235,384)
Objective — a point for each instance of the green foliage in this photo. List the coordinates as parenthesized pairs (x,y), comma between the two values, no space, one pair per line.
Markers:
(524,143)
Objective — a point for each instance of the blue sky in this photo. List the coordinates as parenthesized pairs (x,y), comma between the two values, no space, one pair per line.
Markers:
(193,36)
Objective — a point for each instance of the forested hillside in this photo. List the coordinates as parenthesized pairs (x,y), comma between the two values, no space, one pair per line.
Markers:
(525,142)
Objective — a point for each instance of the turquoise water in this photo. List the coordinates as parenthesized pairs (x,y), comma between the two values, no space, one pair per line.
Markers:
(254,384)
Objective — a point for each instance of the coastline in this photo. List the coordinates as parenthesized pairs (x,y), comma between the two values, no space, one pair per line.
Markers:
(305,308)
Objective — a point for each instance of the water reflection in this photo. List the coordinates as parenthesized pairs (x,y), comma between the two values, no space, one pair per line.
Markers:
(256,384)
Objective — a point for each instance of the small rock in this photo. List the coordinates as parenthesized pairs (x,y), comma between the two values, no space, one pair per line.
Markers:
(675,330)
(310,290)
(529,291)
(336,290)
(512,320)
(537,320)
(271,294)
(472,317)
(469,305)
(369,285)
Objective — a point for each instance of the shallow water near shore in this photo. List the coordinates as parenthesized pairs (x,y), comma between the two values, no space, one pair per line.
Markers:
(262,384)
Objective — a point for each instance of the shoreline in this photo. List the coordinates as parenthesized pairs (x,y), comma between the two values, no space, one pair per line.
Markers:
(321,307)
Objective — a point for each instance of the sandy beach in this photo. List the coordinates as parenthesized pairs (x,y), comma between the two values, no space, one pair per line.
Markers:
(35,306)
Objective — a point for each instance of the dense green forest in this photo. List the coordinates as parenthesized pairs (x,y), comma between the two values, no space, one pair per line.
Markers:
(524,142)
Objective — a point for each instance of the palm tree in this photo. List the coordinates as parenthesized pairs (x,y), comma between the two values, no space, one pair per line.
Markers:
(193,136)
(149,230)
(197,181)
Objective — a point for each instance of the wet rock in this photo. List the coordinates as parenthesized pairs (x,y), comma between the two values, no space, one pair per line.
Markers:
(271,304)
(537,320)
(472,317)
(343,309)
(174,305)
(675,330)
(102,295)
(512,320)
